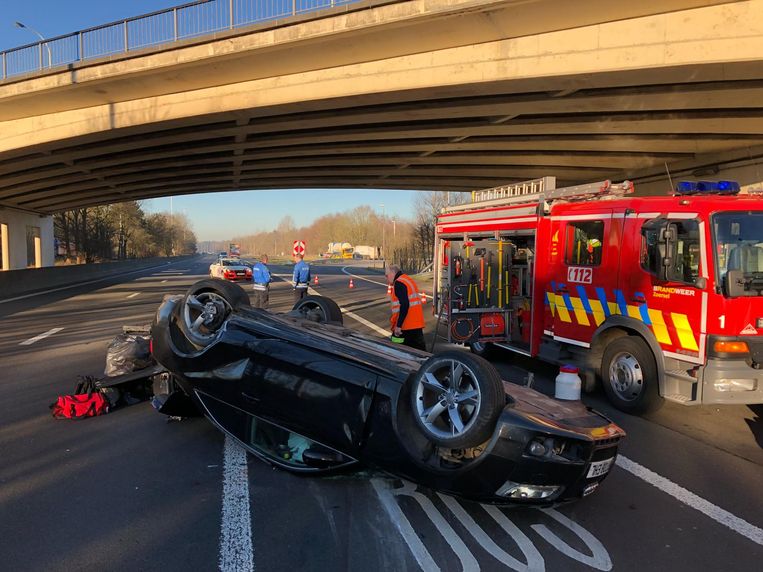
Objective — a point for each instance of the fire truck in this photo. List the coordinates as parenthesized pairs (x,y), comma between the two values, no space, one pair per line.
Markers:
(656,297)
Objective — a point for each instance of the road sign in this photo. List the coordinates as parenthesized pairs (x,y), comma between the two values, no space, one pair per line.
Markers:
(299,248)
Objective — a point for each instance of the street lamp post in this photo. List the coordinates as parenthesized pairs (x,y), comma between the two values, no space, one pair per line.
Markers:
(42,39)
(384,247)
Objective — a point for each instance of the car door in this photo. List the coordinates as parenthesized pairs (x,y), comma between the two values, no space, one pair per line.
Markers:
(316,393)
(584,266)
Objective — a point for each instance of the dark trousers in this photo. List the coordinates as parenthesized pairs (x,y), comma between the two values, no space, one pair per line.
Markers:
(414,339)
(299,293)
(261,299)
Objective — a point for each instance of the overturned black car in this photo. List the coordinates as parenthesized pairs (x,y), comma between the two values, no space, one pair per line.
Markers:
(304,393)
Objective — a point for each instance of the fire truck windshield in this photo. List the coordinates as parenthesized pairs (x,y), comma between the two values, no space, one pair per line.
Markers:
(738,240)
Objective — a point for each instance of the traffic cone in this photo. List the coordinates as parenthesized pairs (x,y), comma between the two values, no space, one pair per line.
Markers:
(423,298)
(352,285)
(389,289)
(315,280)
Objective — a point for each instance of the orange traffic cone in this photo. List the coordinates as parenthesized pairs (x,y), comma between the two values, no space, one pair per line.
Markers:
(351,284)
(423,298)
(389,289)
(315,280)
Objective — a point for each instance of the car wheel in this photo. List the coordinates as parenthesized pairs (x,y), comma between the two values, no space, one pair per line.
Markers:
(206,306)
(629,375)
(318,309)
(456,399)
(482,349)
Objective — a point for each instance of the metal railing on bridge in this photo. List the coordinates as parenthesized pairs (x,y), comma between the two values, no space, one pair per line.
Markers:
(191,20)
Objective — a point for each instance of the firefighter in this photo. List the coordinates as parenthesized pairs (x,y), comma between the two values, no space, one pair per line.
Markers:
(407,320)
(301,277)
(594,256)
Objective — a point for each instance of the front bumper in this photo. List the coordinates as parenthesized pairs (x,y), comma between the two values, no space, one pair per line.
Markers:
(731,381)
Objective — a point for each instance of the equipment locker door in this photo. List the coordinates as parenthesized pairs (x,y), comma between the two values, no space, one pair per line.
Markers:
(585,259)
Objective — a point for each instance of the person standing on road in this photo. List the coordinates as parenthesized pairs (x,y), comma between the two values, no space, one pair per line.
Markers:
(261,280)
(407,320)
(301,278)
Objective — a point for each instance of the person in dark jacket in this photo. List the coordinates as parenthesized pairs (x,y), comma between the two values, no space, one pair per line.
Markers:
(407,320)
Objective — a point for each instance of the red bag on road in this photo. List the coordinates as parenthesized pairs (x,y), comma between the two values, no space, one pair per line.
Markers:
(88,401)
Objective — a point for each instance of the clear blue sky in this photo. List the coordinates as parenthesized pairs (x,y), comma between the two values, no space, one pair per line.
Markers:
(214,217)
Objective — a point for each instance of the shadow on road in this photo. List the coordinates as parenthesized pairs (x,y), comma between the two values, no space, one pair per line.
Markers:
(756,424)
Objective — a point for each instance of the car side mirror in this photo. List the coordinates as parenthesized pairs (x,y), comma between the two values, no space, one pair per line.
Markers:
(323,459)
(700,283)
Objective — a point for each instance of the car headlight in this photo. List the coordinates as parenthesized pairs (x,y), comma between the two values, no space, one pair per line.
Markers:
(514,490)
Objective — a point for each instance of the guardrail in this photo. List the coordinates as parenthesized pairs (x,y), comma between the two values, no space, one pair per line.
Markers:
(191,20)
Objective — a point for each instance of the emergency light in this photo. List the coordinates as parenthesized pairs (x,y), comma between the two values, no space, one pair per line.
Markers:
(698,187)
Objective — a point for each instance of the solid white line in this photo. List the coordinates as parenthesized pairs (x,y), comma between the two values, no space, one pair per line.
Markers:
(344,269)
(419,551)
(133,294)
(236,552)
(688,498)
(79,284)
(360,319)
(30,341)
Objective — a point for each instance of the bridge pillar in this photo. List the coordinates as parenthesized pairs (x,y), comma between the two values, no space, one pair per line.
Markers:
(26,240)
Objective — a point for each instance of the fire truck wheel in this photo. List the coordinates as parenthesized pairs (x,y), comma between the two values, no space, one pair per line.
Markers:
(629,375)
(482,349)
(456,399)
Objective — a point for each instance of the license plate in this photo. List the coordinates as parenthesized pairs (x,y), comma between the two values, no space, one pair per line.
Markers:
(599,468)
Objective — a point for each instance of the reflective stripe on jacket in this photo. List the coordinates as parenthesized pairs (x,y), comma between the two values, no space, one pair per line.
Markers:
(415,317)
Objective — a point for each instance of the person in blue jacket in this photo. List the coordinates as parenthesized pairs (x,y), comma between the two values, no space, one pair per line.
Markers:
(301,278)
(261,283)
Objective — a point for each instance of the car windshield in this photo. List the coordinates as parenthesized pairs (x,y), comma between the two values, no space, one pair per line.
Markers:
(738,240)
(229,262)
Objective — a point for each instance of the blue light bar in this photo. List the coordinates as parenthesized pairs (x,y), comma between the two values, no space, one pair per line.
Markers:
(717,187)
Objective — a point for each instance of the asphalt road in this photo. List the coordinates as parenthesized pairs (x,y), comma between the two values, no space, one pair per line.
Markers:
(132,491)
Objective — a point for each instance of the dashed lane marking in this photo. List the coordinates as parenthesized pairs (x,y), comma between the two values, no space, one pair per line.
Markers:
(687,497)
(42,336)
(163,281)
(133,294)
(236,551)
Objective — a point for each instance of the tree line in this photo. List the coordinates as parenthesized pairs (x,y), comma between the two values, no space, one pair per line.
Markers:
(120,231)
(409,243)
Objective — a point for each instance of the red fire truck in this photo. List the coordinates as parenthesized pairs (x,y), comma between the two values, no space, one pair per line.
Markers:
(658,297)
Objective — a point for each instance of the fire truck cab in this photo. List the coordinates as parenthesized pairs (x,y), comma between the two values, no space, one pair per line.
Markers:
(656,297)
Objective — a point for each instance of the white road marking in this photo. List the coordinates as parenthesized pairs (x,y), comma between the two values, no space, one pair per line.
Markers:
(236,551)
(419,551)
(163,281)
(133,294)
(30,341)
(363,278)
(387,492)
(535,561)
(688,498)
(355,317)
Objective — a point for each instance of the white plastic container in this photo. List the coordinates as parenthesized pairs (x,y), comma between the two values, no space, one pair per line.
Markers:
(568,384)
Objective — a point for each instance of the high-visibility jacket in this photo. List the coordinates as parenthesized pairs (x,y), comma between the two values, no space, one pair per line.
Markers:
(415,317)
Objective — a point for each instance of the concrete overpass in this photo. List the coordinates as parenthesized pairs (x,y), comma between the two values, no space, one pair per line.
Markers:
(422,94)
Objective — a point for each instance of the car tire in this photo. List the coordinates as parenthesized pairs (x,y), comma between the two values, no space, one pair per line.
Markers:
(205,308)
(456,399)
(629,376)
(319,309)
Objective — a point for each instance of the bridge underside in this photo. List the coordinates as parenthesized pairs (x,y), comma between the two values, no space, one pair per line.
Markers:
(448,131)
